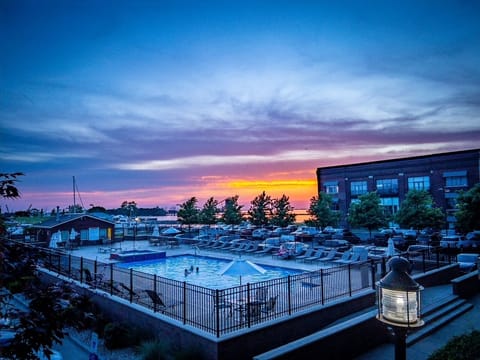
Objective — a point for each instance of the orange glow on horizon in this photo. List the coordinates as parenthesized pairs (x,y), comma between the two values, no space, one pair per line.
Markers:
(299,192)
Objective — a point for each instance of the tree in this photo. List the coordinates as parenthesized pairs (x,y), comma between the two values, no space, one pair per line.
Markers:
(417,211)
(188,213)
(44,322)
(282,212)
(208,214)
(260,210)
(468,214)
(97,209)
(8,189)
(232,214)
(321,213)
(129,208)
(367,212)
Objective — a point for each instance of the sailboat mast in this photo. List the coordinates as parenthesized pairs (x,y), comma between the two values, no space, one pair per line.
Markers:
(74,204)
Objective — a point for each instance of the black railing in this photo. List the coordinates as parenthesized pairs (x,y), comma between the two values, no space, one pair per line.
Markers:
(217,311)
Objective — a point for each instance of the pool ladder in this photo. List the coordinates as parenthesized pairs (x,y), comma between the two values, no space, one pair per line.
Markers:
(196,248)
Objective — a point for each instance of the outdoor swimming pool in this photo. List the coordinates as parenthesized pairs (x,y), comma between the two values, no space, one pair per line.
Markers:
(173,267)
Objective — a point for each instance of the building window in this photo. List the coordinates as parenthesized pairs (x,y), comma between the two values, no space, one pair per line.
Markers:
(358,187)
(456,181)
(387,186)
(331,189)
(390,205)
(419,183)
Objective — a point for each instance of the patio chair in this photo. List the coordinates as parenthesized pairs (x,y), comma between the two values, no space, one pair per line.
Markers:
(266,250)
(130,292)
(221,302)
(270,305)
(252,249)
(318,255)
(240,248)
(330,256)
(345,258)
(93,280)
(348,258)
(261,294)
(308,253)
(230,245)
(159,302)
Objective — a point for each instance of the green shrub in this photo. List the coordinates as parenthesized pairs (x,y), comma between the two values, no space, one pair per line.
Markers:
(117,336)
(153,350)
(192,353)
(462,347)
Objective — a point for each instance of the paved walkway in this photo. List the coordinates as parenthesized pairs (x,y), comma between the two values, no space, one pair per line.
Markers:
(424,348)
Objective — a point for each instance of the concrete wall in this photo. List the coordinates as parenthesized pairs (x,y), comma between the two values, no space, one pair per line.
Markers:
(268,336)
(301,332)
(466,285)
(239,345)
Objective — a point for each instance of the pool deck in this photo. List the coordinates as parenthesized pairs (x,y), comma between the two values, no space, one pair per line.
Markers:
(93,253)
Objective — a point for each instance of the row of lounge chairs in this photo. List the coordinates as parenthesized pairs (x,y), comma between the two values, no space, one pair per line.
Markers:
(158,301)
(234,246)
(334,257)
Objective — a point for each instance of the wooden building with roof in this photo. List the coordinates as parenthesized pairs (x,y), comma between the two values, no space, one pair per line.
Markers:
(75,229)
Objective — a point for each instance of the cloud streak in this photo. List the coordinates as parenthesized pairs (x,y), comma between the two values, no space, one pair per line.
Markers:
(156,103)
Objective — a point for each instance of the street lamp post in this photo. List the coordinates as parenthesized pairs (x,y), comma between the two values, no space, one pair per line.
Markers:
(399,302)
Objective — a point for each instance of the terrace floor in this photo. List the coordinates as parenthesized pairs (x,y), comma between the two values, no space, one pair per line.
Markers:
(93,253)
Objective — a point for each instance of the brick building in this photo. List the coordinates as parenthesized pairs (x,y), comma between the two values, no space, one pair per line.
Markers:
(442,174)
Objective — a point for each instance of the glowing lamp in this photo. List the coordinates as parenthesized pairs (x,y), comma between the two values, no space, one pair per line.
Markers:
(399,302)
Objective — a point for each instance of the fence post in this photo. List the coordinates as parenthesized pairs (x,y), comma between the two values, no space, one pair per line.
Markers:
(373,272)
(423,262)
(217,312)
(131,285)
(111,279)
(184,302)
(349,280)
(69,265)
(248,304)
(81,269)
(289,294)
(155,290)
(322,287)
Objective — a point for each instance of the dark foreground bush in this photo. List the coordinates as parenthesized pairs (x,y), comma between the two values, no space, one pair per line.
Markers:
(462,347)
(153,350)
(119,335)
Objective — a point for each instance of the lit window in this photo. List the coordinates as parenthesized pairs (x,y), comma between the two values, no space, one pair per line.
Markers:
(387,186)
(419,183)
(456,181)
(358,187)
(331,189)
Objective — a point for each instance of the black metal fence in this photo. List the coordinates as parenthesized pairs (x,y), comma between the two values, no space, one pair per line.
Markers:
(220,311)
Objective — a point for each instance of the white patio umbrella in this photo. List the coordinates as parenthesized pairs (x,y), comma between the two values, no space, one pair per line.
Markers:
(156,232)
(55,239)
(73,234)
(390,248)
(171,231)
(241,267)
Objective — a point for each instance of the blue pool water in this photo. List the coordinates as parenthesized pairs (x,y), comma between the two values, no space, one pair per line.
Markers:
(173,267)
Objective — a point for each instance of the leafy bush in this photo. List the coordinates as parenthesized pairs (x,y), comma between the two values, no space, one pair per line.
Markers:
(462,347)
(189,354)
(117,336)
(153,350)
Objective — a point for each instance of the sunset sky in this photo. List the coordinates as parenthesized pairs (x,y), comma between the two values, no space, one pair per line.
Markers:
(159,101)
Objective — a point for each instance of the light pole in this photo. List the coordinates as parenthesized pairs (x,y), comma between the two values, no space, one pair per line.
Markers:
(399,302)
